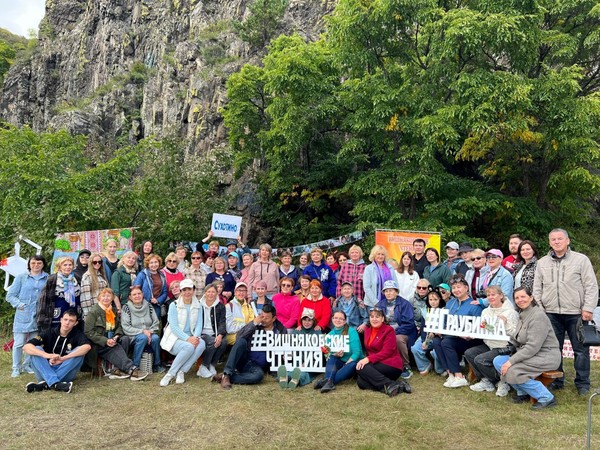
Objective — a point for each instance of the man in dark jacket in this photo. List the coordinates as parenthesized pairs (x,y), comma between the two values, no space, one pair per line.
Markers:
(244,366)
(57,355)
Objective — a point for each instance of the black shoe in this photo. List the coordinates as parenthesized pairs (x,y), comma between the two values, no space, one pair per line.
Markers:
(542,405)
(320,383)
(63,386)
(406,387)
(328,386)
(393,389)
(583,391)
(36,387)
(521,398)
(556,385)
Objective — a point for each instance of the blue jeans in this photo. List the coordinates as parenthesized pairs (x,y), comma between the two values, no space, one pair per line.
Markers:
(533,388)
(186,356)
(140,341)
(337,371)
(239,368)
(421,357)
(17,350)
(567,323)
(65,371)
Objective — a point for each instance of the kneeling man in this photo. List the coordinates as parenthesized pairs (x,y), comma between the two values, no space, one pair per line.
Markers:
(244,366)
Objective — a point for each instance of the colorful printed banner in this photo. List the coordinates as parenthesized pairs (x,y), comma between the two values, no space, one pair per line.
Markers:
(325,245)
(69,244)
(397,242)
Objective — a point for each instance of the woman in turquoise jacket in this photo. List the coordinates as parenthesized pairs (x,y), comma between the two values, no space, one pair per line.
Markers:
(341,365)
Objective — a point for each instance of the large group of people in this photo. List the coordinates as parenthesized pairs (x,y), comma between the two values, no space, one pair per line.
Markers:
(123,310)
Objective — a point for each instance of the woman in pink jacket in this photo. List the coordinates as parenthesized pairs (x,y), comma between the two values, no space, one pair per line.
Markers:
(264,269)
(287,304)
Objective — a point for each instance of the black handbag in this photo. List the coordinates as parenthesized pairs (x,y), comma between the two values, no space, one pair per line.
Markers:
(587,333)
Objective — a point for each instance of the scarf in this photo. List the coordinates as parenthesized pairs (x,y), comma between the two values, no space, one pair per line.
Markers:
(132,272)
(68,288)
(110,319)
(383,274)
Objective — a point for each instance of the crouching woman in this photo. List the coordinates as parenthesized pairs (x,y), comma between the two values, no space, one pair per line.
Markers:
(537,352)
(182,337)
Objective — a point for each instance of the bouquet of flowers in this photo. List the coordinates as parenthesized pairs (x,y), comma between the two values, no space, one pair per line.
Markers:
(486,326)
(326,351)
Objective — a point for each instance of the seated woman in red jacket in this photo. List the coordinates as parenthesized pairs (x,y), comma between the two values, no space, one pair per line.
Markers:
(382,365)
(319,304)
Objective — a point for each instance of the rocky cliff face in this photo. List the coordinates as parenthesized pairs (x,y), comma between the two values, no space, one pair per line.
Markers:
(125,69)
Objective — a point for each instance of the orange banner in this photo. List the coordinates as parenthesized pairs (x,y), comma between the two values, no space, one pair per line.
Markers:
(399,241)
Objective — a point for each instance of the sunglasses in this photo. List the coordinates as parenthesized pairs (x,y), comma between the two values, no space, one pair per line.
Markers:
(422,288)
(477,258)
(443,291)
(96,263)
(491,257)
(286,285)
(171,260)
(196,257)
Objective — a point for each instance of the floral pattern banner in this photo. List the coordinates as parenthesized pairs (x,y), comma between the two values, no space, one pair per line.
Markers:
(71,243)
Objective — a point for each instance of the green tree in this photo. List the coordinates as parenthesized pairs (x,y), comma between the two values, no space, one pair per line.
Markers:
(264,23)
(475,118)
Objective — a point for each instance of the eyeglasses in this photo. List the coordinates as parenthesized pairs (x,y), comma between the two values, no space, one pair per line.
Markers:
(171,260)
(422,288)
(286,285)
(96,263)
(477,258)
(491,257)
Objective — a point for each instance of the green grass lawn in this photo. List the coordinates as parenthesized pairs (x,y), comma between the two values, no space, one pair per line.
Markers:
(102,413)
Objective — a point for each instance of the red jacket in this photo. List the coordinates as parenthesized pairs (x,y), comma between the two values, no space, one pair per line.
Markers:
(322,309)
(383,348)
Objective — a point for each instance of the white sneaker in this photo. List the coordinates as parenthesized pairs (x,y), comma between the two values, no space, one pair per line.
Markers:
(449,381)
(166,379)
(503,389)
(484,385)
(204,372)
(212,369)
(459,382)
(180,377)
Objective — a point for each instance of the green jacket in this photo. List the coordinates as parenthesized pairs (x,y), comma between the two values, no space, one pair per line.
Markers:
(95,326)
(120,283)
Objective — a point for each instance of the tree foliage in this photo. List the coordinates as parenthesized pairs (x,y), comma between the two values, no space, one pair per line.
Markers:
(264,22)
(476,118)
(10,45)
(55,182)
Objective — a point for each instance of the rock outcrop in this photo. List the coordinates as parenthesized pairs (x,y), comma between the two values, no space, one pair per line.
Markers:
(125,69)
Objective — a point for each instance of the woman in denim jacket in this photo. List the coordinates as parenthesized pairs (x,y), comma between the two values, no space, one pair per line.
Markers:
(23,295)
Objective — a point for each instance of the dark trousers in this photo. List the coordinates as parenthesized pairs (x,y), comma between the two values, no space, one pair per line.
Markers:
(567,323)
(212,353)
(481,360)
(239,368)
(450,349)
(117,355)
(377,376)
